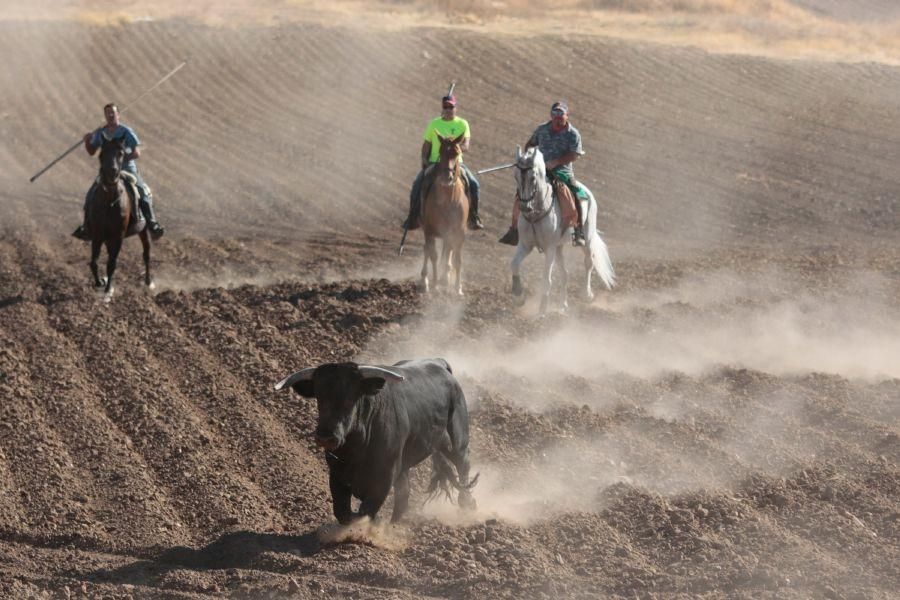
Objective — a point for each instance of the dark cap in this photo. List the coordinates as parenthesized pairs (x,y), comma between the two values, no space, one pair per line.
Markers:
(451,100)
(560,106)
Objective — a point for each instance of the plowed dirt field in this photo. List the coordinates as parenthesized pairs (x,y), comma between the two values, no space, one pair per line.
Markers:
(724,423)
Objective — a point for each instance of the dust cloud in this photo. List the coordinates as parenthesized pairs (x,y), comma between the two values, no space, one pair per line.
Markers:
(765,322)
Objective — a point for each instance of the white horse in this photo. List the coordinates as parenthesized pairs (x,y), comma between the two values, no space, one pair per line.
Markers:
(540,226)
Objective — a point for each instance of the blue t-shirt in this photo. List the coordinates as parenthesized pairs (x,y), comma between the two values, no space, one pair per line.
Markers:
(122,132)
(554,144)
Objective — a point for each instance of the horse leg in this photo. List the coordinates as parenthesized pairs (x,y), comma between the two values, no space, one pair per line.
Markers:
(445,263)
(96,245)
(521,252)
(563,277)
(145,242)
(112,250)
(456,256)
(430,253)
(549,259)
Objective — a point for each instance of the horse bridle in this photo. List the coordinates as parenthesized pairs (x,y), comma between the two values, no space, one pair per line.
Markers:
(534,188)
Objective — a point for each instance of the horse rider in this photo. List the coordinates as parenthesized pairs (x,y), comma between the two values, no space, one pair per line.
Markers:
(112,131)
(447,125)
(560,143)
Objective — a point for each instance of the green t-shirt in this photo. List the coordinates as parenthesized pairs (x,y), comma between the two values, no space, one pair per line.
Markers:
(450,129)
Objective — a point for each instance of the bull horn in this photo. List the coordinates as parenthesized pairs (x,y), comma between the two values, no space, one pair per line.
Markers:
(301,375)
(367,371)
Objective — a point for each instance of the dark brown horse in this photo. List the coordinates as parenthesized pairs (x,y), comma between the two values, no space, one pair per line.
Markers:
(110,216)
(445,210)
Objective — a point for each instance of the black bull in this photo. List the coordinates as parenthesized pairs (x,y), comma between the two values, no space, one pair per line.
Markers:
(376,423)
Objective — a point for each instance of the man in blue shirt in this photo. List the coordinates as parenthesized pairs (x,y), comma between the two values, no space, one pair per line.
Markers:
(560,143)
(114,130)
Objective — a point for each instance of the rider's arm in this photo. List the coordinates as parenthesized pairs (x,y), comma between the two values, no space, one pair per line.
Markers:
(562,160)
(89,148)
(465,145)
(135,154)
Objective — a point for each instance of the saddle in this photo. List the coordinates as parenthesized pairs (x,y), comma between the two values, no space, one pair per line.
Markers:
(568,212)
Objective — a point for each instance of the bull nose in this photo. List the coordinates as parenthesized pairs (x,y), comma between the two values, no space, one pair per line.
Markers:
(328,443)
(326,439)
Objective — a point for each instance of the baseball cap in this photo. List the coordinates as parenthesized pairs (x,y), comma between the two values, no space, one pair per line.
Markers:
(560,107)
(451,100)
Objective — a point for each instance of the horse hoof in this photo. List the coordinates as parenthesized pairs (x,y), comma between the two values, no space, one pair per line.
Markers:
(151,285)
(100,283)
(517,287)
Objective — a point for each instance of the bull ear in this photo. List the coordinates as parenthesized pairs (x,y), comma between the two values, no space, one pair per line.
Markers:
(458,139)
(371,385)
(301,381)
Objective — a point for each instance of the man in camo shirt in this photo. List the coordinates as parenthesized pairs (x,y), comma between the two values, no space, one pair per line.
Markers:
(560,143)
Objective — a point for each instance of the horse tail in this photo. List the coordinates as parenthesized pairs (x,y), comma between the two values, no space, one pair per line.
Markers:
(601,260)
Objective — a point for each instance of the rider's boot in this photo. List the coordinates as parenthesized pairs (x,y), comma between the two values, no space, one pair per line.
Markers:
(474,219)
(412,220)
(82,232)
(578,236)
(156,230)
(511,237)
(578,231)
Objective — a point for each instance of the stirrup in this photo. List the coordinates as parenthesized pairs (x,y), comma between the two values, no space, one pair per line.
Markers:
(475,222)
(511,237)
(578,236)
(82,233)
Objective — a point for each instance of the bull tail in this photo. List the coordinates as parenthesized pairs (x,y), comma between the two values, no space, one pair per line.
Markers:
(444,479)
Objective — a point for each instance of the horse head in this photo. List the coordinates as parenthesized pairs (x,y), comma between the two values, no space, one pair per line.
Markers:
(451,150)
(112,155)
(531,181)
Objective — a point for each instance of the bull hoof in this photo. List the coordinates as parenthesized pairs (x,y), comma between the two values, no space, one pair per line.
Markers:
(467,502)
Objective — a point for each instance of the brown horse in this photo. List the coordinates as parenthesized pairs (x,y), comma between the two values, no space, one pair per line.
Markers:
(445,209)
(110,215)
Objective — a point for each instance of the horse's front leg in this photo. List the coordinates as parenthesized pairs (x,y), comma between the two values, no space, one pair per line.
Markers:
(96,245)
(456,257)
(430,253)
(112,248)
(445,264)
(564,277)
(145,242)
(521,252)
(549,260)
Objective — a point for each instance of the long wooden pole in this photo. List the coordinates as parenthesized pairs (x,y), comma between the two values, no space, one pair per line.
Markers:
(132,103)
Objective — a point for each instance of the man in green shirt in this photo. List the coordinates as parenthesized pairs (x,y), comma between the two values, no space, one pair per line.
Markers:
(447,125)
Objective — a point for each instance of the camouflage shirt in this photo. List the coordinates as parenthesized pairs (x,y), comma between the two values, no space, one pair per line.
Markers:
(553,145)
